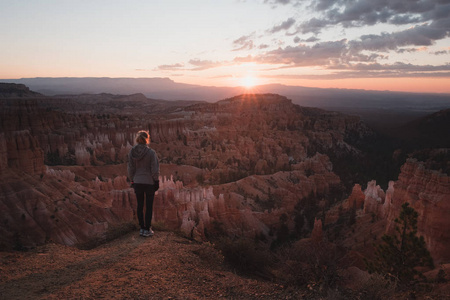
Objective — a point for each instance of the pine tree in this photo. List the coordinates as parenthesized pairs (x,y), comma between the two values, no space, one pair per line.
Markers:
(401,253)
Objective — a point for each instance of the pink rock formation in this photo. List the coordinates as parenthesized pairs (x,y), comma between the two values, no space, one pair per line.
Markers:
(428,192)
(64,174)
(374,199)
(317,232)
(57,208)
(22,152)
(356,198)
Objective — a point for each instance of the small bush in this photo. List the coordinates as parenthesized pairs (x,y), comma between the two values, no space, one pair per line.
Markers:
(246,256)
(200,178)
(314,265)
(377,287)
(441,276)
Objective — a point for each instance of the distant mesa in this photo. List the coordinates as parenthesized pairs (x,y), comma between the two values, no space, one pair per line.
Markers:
(13,90)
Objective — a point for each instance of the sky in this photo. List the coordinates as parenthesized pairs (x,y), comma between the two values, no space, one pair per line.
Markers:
(398,45)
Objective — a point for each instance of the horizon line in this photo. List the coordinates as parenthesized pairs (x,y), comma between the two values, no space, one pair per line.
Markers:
(231,87)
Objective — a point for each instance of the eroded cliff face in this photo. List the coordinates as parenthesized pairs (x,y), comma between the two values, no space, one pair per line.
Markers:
(70,137)
(240,163)
(60,207)
(427,191)
(248,134)
(72,205)
(264,134)
(20,150)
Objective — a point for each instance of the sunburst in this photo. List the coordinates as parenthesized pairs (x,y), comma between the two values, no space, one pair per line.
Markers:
(249,82)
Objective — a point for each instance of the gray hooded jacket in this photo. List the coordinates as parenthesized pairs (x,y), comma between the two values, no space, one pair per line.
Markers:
(143,165)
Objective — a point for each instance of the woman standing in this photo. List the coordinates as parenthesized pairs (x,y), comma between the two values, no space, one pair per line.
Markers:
(143,170)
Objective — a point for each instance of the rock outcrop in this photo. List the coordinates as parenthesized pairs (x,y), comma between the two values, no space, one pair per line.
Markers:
(13,90)
(244,208)
(19,150)
(427,191)
(56,207)
(317,232)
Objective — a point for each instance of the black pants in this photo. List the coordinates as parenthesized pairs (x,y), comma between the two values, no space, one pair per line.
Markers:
(144,192)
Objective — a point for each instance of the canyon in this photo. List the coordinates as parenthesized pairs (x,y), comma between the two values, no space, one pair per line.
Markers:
(244,166)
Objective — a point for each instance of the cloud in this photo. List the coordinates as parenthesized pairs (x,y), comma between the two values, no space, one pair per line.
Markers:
(325,4)
(412,50)
(428,22)
(404,19)
(320,54)
(313,25)
(396,70)
(422,35)
(172,67)
(275,3)
(369,12)
(204,64)
(312,39)
(440,52)
(243,43)
(400,66)
(198,64)
(243,59)
(283,26)
(342,55)
(364,74)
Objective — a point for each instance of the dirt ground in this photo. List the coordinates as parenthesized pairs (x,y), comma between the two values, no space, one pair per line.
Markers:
(165,266)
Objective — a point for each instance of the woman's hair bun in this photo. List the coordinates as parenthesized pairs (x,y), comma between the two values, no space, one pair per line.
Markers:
(143,137)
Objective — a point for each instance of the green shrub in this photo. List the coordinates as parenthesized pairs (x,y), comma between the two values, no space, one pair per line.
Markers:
(401,253)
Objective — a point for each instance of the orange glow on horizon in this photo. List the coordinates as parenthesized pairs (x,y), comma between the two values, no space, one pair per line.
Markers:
(414,85)
(249,83)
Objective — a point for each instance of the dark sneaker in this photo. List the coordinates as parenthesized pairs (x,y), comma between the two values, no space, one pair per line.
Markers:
(141,232)
(148,233)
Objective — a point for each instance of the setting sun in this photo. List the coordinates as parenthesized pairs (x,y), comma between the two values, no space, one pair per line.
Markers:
(248,81)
